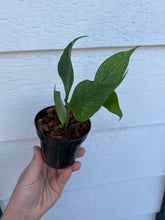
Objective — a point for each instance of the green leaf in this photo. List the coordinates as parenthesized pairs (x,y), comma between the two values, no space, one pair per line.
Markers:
(114,67)
(65,68)
(112,104)
(113,71)
(60,108)
(87,98)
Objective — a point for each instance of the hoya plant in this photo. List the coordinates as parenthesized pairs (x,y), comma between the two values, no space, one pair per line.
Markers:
(89,96)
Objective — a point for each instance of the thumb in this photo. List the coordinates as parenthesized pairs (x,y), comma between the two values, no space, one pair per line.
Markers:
(34,169)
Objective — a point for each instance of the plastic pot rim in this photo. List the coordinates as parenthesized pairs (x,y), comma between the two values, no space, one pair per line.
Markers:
(57,140)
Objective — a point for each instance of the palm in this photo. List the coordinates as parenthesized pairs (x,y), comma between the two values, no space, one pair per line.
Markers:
(48,188)
(41,186)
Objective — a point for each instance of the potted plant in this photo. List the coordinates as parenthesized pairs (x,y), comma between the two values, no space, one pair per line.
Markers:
(64,126)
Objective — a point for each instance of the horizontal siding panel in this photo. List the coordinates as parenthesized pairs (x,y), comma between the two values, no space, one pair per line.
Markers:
(4,203)
(27,81)
(111,157)
(50,24)
(127,201)
(141,217)
(110,201)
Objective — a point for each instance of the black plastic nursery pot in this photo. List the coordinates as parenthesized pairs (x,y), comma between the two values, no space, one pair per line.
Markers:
(56,153)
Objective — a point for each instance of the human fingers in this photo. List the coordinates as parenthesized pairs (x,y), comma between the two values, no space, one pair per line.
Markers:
(65,174)
(55,173)
(76,166)
(81,152)
(63,177)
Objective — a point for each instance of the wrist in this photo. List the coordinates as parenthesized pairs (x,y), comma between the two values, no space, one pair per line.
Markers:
(16,213)
(12,213)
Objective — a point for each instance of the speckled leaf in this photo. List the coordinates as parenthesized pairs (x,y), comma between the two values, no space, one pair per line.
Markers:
(112,104)
(65,68)
(89,96)
(113,67)
(60,108)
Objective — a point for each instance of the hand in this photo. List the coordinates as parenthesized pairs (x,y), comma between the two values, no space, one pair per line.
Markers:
(38,188)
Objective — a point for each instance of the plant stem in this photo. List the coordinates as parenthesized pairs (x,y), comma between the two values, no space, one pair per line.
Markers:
(67,109)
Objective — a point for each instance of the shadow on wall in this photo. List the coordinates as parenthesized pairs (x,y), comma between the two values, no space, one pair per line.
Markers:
(0,212)
(161,214)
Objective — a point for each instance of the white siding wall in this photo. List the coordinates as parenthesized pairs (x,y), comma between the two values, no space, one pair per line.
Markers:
(122,175)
